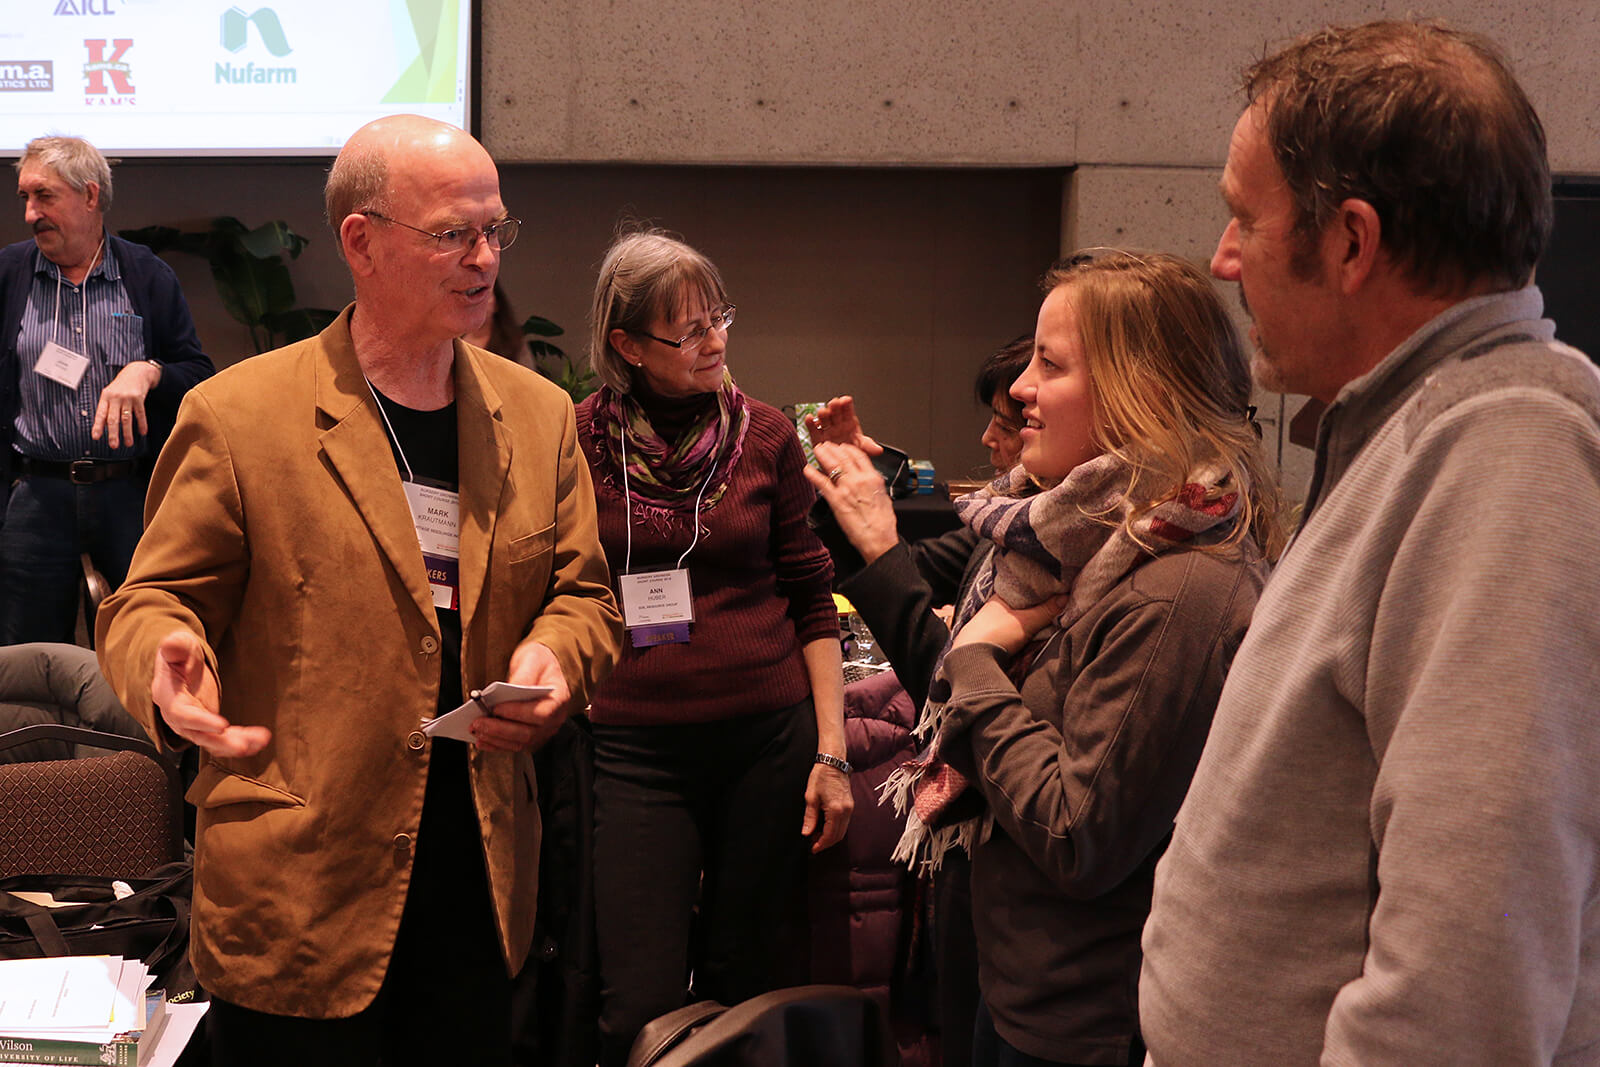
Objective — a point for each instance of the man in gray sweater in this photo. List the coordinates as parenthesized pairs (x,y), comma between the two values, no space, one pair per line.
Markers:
(1389,853)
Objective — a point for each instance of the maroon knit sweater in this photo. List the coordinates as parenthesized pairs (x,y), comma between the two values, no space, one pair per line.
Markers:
(762,584)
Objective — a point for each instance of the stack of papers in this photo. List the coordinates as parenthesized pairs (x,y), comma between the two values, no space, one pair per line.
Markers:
(79,1010)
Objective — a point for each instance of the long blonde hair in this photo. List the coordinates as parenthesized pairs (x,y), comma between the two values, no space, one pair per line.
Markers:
(1171,381)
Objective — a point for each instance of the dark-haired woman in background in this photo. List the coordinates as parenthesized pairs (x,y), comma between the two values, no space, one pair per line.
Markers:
(501,333)
(898,585)
(905,593)
(719,741)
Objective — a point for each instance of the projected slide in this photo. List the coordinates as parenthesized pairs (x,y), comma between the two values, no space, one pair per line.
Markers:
(192,78)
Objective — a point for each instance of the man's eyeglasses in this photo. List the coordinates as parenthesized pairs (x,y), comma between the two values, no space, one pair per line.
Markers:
(721,319)
(500,234)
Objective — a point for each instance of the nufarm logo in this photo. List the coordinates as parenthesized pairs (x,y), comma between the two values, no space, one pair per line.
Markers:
(236,35)
(27,75)
(108,77)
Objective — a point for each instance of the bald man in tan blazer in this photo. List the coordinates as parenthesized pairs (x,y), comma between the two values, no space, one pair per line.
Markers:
(279,614)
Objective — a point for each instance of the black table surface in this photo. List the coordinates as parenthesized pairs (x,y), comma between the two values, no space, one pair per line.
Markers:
(925,514)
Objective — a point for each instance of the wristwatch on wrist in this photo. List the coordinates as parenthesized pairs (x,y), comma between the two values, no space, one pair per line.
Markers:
(834,761)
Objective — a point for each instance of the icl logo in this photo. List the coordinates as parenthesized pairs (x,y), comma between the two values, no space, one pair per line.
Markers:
(100,65)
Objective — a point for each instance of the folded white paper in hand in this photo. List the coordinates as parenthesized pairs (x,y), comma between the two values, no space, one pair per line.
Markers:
(457,724)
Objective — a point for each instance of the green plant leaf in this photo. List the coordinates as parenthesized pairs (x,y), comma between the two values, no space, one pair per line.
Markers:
(545,350)
(252,288)
(228,227)
(167,239)
(273,239)
(542,327)
(578,381)
(297,324)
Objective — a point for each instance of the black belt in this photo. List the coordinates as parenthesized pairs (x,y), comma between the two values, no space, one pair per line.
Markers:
(77,471)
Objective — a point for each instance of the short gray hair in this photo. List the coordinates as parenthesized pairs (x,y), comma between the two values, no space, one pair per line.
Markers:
(357,181)
(645,273)
(75,161)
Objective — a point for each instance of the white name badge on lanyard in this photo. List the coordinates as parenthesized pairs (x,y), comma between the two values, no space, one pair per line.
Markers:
(61,365)
(657,606)
(436,513)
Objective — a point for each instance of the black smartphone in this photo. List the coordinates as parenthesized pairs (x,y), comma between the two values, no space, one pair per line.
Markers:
(895,466)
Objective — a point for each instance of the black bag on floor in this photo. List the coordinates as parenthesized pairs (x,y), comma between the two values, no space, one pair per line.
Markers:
(151,925)
(803,1026)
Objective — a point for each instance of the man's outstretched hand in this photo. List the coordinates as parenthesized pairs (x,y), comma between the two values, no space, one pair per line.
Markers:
(185,691)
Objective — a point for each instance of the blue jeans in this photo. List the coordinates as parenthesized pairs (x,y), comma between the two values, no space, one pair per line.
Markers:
(48,523)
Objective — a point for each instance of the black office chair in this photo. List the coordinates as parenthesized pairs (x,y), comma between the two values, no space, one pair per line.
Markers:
(805,1026)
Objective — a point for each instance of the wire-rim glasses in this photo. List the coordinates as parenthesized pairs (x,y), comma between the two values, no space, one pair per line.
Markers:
(500,235)
(721,319)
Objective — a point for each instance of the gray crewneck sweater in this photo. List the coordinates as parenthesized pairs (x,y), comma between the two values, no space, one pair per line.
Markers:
(1389,852)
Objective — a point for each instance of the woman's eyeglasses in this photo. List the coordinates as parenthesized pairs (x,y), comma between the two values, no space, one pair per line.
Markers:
(721,319)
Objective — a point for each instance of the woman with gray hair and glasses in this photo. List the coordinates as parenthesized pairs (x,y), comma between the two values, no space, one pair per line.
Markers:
(719,738)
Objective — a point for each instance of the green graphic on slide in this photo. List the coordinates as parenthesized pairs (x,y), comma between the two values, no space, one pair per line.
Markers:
(431,77)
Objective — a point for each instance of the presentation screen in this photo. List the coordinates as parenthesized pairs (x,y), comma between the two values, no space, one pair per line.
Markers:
(198,78)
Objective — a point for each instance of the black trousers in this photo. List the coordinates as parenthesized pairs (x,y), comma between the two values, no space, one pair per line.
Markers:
(956,958)
(707,815)
(446,997)
(989,1049)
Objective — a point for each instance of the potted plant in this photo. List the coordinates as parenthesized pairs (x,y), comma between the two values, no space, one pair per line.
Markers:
(251,274)
(553,362)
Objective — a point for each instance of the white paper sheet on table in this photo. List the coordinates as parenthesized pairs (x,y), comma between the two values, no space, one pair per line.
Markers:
(71,995)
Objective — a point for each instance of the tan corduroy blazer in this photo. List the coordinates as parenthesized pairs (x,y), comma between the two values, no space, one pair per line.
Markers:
(276,528)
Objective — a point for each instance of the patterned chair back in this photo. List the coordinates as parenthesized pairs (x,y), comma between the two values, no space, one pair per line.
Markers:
(118,815)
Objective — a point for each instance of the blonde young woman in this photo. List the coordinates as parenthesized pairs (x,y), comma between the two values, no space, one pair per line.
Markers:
(719,742)
(1068,713)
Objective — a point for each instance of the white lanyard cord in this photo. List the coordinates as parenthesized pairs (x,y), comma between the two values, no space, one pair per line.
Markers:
(55,316)
(627,501)
(392,435)
(627,507)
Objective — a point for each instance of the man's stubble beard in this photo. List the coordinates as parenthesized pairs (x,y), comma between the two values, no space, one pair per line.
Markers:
(1265,373)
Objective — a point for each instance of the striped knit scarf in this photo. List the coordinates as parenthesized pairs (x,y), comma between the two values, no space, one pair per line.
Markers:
(1068,538)
(666,477)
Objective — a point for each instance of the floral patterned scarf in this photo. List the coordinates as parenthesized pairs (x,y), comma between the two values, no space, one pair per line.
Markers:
(664,478)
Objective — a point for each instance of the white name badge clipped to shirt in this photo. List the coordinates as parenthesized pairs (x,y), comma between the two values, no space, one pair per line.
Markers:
(436,513)
(61,365)
(657,607)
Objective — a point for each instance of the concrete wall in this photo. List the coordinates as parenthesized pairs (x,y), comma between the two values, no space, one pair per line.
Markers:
(1138,95)
(1041,82)
(838,159)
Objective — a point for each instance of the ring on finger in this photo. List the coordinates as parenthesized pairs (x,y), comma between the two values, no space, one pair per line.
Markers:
(833,475)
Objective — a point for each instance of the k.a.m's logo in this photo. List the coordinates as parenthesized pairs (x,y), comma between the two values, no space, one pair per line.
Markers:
(107,73)
(236,30)
(27,75)
(84,7)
